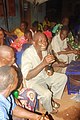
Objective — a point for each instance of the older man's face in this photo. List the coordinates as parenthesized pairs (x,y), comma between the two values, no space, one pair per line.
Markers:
(42,43)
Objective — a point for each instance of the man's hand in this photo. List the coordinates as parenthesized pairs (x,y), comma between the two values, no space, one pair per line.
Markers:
(48,59)
(76,51)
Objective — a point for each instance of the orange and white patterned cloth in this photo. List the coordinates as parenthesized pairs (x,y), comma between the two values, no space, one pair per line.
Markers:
(17,44)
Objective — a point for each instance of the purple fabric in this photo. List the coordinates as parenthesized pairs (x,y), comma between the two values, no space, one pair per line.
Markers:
(28,98)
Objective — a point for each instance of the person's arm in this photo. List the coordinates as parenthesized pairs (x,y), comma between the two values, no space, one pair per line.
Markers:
(23,113)
(68,52)
(34,72)
(60,64)
(64,52)
(2,113)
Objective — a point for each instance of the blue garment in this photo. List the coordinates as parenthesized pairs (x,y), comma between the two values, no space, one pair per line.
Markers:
(6,107)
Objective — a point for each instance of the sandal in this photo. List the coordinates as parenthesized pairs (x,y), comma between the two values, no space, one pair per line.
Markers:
(55,110)
(55,104)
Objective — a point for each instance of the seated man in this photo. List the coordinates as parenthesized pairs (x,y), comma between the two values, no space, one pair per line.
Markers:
(34,61)
(7,58)
(71,38)
(8,108)
(60,47)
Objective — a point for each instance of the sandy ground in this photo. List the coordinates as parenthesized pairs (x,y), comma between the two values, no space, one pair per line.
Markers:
(69,109)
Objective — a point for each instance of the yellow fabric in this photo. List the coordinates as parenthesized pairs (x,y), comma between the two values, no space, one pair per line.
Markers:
(18,32)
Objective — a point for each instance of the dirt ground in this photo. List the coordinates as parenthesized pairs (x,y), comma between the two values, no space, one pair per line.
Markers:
(69,109)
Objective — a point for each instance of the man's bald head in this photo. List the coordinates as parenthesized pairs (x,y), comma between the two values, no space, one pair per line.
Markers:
(6,55)
(40,41)
(4,50)
(38,36)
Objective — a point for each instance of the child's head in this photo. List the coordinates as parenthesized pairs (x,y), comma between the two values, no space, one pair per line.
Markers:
(64,32)
(28,34)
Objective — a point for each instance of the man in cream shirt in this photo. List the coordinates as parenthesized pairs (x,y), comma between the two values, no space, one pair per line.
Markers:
(33,63)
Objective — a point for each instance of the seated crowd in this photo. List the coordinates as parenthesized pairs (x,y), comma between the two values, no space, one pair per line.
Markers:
(39,71)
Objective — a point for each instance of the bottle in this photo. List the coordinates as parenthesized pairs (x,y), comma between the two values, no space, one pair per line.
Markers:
(49,68)
(15,93)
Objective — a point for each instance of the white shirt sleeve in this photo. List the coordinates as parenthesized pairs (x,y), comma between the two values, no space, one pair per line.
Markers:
(26,65)
(55,44)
